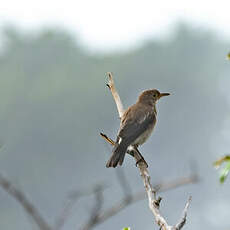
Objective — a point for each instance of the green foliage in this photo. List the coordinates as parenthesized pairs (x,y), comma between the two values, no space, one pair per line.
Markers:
(224,171)
(126,229)
(228,56)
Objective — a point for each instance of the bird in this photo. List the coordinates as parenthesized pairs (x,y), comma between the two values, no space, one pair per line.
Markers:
(137,124)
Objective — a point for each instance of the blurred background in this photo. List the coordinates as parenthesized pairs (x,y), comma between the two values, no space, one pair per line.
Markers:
(54,102)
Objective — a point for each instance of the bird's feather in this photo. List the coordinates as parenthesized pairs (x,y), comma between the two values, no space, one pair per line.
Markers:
(136,121)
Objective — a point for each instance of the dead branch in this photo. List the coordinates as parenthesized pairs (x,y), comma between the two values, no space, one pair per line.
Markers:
(65,212)
(93,220)
(72,199)
(115,94)
(154,202)
(182,222)
(24,201)
(138,196)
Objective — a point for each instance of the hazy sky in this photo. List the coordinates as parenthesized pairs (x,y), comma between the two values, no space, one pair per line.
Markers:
(104,24)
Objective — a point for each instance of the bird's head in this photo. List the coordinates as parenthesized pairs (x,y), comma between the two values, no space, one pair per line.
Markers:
(151,96)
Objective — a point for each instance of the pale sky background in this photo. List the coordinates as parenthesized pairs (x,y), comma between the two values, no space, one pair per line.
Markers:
(119,24)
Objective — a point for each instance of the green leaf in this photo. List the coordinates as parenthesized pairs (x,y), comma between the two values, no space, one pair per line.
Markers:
(228,56)
(224,173)
(126,229)
(218,163)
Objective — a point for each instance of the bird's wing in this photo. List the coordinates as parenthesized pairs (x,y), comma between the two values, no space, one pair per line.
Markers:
(135,122)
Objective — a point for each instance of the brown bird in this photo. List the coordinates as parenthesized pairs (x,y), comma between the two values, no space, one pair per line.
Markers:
(136,125)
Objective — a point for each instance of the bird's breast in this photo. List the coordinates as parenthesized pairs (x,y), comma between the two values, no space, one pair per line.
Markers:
(144,136)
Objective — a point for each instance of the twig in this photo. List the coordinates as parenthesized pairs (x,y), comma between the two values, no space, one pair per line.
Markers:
(182,222)
(26,204)
(154,202)
(65,213)
(93,220)
(71,200)
(115,94)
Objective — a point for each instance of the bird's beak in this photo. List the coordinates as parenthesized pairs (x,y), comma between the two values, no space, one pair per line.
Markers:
(164,94)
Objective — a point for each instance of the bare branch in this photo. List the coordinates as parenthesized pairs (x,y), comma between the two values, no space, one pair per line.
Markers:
(71,200)
(93,220)
(115,94)
(154,202)
(138,196)
(182,222)
(25,203)
(65,213)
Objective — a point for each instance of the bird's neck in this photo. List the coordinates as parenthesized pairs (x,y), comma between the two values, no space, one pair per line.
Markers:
(150,103)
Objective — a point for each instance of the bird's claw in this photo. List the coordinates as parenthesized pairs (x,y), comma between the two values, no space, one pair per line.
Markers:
(142,160)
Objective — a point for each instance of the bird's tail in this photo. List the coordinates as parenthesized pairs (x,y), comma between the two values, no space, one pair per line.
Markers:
(118,155)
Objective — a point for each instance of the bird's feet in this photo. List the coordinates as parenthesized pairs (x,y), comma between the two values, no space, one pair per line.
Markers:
(142,160)
(139,158)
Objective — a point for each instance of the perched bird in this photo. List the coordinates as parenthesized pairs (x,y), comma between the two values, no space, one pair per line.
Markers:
(136,125)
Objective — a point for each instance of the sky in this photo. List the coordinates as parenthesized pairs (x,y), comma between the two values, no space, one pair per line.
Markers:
(109,25)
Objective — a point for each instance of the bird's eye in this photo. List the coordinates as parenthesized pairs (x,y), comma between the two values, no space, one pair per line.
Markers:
(154,95)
